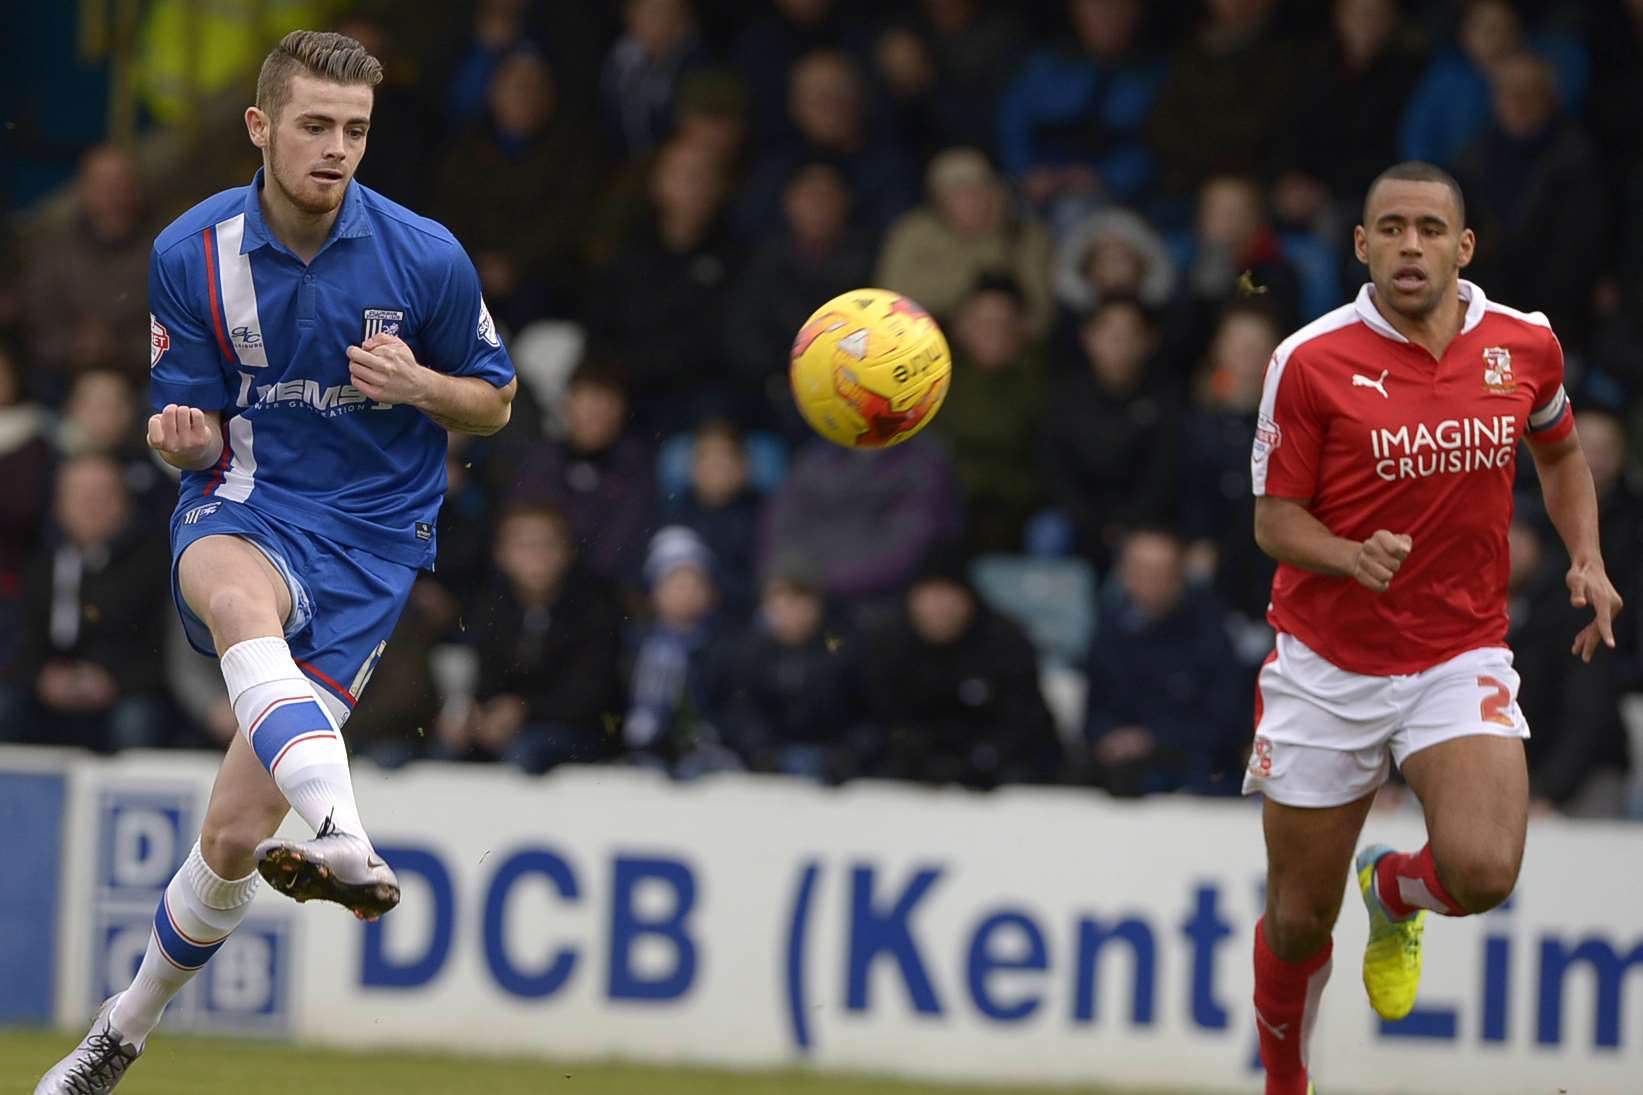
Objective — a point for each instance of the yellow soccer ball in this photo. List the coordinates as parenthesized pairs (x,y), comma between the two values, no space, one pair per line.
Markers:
(869,369)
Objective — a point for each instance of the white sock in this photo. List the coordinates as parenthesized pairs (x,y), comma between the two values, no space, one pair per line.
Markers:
(292,732)
(199,910)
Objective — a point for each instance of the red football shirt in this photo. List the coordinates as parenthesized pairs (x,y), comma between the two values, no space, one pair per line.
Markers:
(1370,432)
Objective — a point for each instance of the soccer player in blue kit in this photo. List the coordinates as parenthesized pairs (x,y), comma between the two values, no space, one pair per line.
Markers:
(311,344)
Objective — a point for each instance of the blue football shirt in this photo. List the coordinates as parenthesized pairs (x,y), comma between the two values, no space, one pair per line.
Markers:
(241,326)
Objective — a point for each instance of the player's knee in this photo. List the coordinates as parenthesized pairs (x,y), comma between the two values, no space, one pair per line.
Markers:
(1481,880)
(1297,930)
(233,611)
(229,845)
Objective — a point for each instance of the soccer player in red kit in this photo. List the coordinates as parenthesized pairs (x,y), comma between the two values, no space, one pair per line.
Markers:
(1383,468)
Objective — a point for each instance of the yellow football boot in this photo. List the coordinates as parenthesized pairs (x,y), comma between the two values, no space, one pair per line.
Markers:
(1392,957)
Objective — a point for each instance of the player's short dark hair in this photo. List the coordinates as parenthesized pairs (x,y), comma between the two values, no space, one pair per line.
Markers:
(1417,171)
(332,57)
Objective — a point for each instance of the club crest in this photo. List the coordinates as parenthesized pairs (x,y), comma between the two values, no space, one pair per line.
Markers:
(383,321)
(1497,369)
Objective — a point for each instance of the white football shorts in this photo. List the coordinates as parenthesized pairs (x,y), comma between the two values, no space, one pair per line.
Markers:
(1326,737)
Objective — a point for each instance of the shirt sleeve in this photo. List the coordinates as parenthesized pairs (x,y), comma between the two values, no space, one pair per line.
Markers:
(461,339)
(1552,418)
(1289,435)
(185,361)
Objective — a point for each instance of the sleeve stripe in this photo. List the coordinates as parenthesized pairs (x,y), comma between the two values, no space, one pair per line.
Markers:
(209,239)
(1550,413)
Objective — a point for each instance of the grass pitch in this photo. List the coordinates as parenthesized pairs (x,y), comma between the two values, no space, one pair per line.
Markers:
(211,1066)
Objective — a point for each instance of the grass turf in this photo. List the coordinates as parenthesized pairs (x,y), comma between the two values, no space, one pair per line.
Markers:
(211,1066)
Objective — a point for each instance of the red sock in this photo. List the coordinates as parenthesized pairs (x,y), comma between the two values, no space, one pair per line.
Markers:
(1408,882)
(1286,1005)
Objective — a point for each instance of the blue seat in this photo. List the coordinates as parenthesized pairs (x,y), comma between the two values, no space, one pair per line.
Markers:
(1052,599)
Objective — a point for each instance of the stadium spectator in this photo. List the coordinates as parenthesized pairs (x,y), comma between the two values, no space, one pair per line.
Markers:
(1577,749)
(1339,137)
(827,100)
(1233,238)
(710,112)
(500,28)
(85,281)
(1166,705)
(407,125)
(722,507)
(935,253)
(1104,428)
(666,721)
(994,412)
(467,516)
(503,189)
(1112,253)
(1073,123)
(789,694)
(662,303)
(1611,107)
(644,69)
(819,255)
(101,416)
(940,74)
(955,689)
(772,44)
(976,48)
(25,481)
(1210,478)
(549,639)
(862,520)
(1534,176)
(1620,515)
(601,476)
(90,659)
(1222,109)
(1450,107)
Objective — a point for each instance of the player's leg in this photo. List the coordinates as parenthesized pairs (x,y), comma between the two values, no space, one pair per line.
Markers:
(1309,850)
(1460,750)
(1475,794)
(233,587)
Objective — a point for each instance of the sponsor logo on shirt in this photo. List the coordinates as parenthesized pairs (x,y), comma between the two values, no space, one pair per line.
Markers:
(1450,447)
(328,401)
(245,338)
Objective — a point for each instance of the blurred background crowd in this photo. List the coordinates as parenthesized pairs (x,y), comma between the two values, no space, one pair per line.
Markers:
(1116,209)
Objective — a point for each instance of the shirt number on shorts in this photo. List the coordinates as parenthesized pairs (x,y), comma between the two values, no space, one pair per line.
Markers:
(1494,705)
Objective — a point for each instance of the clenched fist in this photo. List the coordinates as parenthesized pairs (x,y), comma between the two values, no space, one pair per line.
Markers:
(1379,558)
(185,437)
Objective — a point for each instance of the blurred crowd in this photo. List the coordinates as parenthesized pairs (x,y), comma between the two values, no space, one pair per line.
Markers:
(1117,210)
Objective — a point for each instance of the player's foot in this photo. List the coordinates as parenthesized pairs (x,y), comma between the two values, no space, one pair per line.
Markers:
(96,1064)
(1392,957)
(334,866)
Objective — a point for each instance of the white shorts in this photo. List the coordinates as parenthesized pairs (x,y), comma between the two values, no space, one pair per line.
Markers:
(1326,737)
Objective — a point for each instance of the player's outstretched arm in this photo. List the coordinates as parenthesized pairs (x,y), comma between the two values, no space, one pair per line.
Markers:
(1571,502)
(1286,530)
(186,437)
(385,370)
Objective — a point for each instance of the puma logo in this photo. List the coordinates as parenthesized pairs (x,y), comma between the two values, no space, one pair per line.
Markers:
(1280,1031)
(1361,381)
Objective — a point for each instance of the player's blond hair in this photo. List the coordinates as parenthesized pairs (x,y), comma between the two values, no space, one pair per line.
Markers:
(336,58)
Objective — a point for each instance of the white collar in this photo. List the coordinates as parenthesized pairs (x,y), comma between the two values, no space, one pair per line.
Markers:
(1476,305)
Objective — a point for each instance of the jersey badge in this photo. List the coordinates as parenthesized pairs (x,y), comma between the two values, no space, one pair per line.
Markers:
(159,341)
(1497,369)
(486,331)
(383,321)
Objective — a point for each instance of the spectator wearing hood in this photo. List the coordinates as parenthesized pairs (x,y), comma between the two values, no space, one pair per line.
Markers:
(666,720)
(1112,252)
(955,689)
(966,228)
